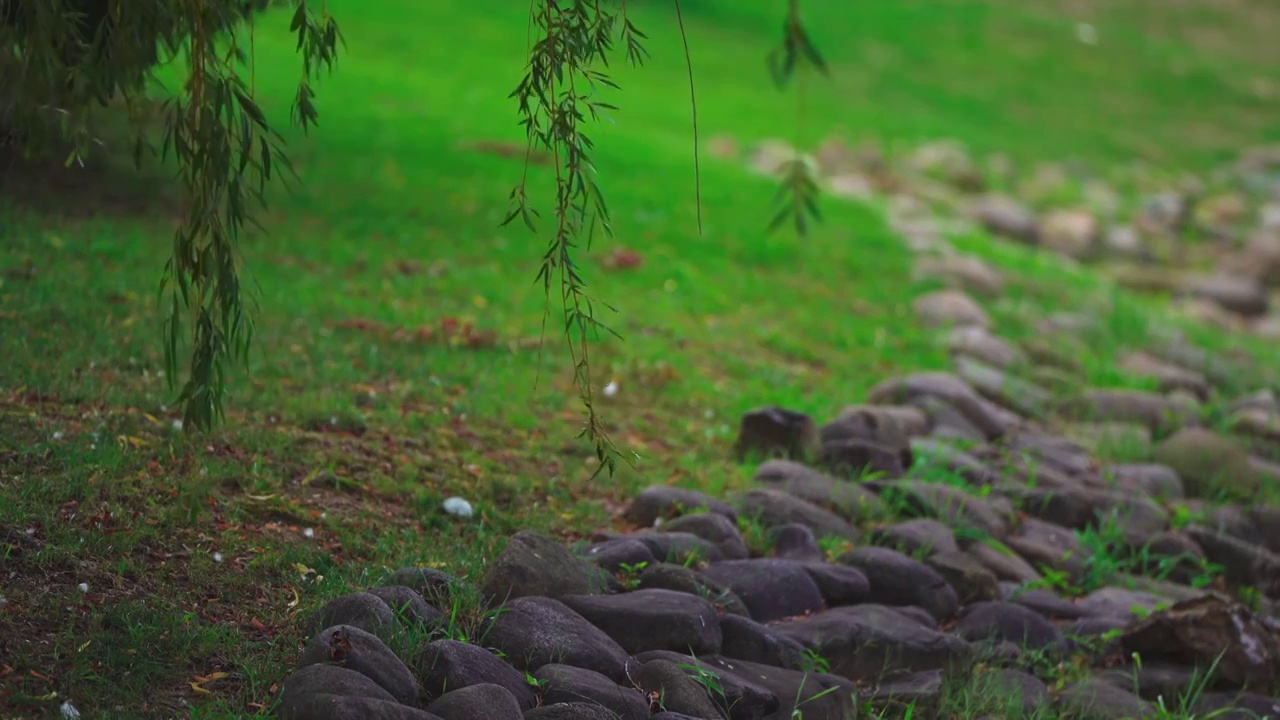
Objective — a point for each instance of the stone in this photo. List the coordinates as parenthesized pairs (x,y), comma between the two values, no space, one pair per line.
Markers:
(818,696)
(934,453)
(1266,518)
(1161,482)
(1118,602)
(1170,377)
(1019,694)
(679,547)
(1236,706)
(978,343)
(961,272)
(775,431)
(664,502)
(771,589)
(652,619)
(884,427)
(679,691)
(356,649)
(774,508)
(1238,294)
(444,665)
(360,610)
(869,641)
(1111,439)
(714,528)
(1073,233)
(407,605)
(1209,464)
(951,505)
(567,684)
(1152,681)
(857,458)
(997,622)
(1096,699)
(838,584)
(950,308)
(571,711)
(1003,216)
(920,691)
(796,542)
(614,555)
(948,389)
(1200,630)
(920,537)
(536,631)
(436,587)
(1157,412)
(1023,397)
(847,500)
(1242,562)
(746,639)
(971,580)
(533,564)
(1005,563)
(1041,601)
(667,576)
(736,697)
(898,580)
(477,702)
(330,692)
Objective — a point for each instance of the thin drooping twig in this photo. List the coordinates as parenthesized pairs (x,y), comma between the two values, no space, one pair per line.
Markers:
(693,103)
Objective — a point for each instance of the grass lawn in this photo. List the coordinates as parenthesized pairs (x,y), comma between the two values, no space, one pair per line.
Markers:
(345,435)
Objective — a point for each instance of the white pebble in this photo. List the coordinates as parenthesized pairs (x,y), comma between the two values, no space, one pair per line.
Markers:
(458,506)
(217,557)
(1086,33)
(308,532)
(84,587)
(68,710)
(57,435)
(611,389)
(177,424)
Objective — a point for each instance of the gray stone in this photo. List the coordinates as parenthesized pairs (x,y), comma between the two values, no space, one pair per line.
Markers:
(1021,396)
(774,508)
(1158,481)
(849,501)
(444,665)
(1209,464)
(796,542)
(868,641)
(362,610)
(746,639)
(1003,561)
(1003,216)
(566,684)
(1095,699)
(477,702)
(667,576)
(533,564)
(999,622)
(330,692)
(921,537)
(948,389)
(774,432)
(664,502)
(971,580)
(613,555)
(679,691)
(950,308)
(653,619)
(408,605)
(536,631)
(1241,295)
(355,649)
(980,344)
(771,589)
(714,528)
(898,580)
(679,547)
(571,711)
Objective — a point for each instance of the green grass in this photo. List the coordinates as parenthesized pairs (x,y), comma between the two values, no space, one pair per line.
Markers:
(396,226)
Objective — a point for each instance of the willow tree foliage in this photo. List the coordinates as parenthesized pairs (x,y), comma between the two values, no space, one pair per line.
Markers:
(63,61)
